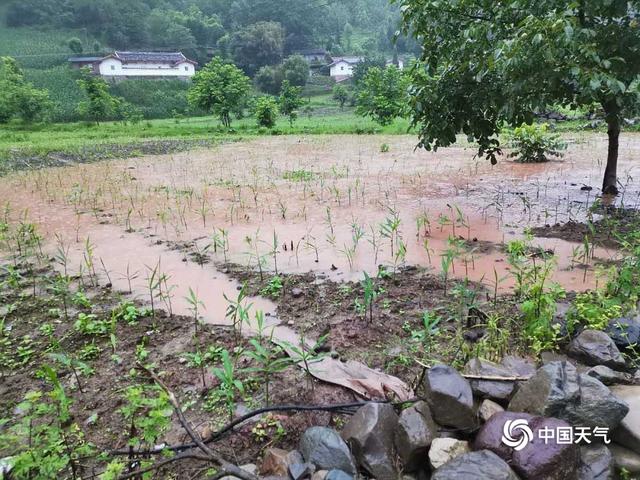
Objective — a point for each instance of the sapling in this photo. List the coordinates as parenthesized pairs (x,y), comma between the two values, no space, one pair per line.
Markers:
(370,294)
(269,360)
(306,355)
(194,306)
(153,283)
(229,383)
(238,310)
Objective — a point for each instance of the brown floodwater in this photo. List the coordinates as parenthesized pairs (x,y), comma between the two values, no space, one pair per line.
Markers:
(315,203)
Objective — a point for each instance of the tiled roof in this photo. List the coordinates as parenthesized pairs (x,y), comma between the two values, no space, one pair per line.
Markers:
(168,57)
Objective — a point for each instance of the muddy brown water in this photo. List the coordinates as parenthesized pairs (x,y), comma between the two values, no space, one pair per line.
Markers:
(327,196)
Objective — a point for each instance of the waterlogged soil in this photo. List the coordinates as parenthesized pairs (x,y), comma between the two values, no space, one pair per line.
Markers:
(167,340)
(332,205)
(389,337)
(27,160)
(317,210)
(609,231)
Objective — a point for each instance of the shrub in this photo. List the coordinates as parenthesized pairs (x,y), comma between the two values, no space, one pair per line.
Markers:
(534,143)
(266,111)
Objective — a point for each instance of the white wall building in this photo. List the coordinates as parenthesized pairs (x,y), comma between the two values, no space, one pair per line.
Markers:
(342,67)
(120,65)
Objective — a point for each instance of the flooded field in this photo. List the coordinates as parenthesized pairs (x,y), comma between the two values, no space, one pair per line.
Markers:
(334,205)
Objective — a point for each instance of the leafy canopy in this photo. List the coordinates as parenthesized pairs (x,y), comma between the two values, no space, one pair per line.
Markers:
(266,111)
(383,94)
(100,104)
(19,98)
(290,100)
(486,63)
(219,88)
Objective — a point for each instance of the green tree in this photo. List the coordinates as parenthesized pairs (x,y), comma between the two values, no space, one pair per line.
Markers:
(19,98)
(290,101)
(296,69)
(269,79)
(100,105)
(383,94)
(266,111)
(219,88)
(75,45)
(486,64)
(258,45)
(340,95)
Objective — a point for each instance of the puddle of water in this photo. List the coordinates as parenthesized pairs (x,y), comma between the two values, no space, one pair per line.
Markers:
(325,198)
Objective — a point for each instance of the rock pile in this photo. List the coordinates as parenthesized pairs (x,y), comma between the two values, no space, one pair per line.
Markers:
(491,422)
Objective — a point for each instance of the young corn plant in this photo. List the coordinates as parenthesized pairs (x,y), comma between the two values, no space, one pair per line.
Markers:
(269,361)
(238,310)
(229,383)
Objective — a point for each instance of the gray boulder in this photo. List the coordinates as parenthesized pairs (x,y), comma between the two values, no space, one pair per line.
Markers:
(520,367)
(338,475)
(610,377)
(495,390)
(624,331)
(487,409)
(370,434)
(594,347)
(628,432)
(413,436)
(324,448)
(557,390)
(625,458)
(596,463)
(450,397)
(480,465)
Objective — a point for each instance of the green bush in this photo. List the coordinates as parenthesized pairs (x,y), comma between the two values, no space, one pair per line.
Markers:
(534,143)
(266,112)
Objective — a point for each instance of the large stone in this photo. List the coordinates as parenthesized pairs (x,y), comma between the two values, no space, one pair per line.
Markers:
(445,449)
(628,432)
(521,367)
(488,408)
(324,448)
(299,471)
(624,332)
(414,433)
(557,390)
(610,377)
(370,433)
(338,475)
(480,465)
(450,397)
(596,463)
(490,435)
(275,462)
(544,459)
(595,347)
(625,458)
(495,390)
(537,458)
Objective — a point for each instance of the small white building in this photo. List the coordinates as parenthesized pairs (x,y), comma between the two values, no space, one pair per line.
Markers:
(121,65)
(342,67)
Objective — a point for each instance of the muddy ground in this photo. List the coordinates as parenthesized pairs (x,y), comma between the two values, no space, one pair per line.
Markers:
(314,208)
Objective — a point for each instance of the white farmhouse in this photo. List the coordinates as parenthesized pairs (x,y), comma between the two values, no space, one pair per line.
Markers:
(121,65)
(342,67)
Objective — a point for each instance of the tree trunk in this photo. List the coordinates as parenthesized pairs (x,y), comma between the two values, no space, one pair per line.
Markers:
(609,185)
